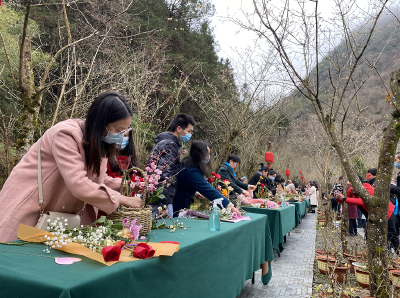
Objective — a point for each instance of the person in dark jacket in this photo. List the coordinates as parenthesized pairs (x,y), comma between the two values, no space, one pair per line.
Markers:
(227,171)
(271,185)
(260,176)
(336,207)
(166,154)
(191,179)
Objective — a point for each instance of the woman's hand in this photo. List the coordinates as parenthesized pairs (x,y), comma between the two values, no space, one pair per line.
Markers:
(133,202)
(251,187)
(246,193)
(233,209)
(138,189)
(338,195)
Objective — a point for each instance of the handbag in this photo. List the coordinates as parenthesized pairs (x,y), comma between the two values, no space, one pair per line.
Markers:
(73,220)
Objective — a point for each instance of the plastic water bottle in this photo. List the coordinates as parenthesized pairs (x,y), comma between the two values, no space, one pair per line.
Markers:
(282,201)
(214,221)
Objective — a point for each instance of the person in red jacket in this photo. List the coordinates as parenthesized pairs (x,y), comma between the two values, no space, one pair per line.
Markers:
(354,199)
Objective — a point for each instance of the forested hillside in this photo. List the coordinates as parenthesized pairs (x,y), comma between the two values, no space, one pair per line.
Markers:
(160,54)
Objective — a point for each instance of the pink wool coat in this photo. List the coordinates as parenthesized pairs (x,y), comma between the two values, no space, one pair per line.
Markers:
(68,186)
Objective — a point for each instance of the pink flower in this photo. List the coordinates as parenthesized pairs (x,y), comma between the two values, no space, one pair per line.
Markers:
(134,230)
(235,216)
(125,223)
(132,185)
(219,187)
(184,151)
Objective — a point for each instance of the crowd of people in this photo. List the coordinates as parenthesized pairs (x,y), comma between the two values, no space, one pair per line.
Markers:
(76,162)
(358,211)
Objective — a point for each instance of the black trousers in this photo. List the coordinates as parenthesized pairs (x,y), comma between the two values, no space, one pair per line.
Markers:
(353,227)
(393,237)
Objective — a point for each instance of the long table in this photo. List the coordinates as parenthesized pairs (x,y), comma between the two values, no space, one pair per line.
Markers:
(281,222)
(208,264)
(300,210)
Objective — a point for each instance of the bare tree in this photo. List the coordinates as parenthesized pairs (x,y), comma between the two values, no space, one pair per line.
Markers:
(299,33)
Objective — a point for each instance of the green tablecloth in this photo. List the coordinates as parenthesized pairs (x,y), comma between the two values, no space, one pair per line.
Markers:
(300,210)
(281,222)
(308,204)
(208,264)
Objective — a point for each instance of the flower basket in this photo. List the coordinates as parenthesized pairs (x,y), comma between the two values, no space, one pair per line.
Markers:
(323,263)
(142,214)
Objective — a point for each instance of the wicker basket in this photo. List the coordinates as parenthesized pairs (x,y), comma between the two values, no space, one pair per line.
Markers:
(143,214)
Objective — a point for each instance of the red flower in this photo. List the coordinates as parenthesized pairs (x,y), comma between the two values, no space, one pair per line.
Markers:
(262,185)
(123,162)
(210,180)
(143,251)
(262,192)
(111,253)
(217,176)
(119,243)
(214,174)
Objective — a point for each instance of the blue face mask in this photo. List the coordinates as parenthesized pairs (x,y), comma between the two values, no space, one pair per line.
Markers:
(272,178)
(185,138)
(397,165)
(125,142)
(206,160)
(112,138)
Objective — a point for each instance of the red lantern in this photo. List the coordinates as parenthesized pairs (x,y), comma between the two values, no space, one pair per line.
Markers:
(302,177)
(301,171)
(269,157)
(304,181)
(288,172)
(367,176)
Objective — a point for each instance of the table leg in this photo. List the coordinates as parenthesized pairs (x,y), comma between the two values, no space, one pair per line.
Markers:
(284,239)
(252,280)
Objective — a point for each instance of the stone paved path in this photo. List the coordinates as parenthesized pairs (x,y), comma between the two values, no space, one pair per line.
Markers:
(292,273)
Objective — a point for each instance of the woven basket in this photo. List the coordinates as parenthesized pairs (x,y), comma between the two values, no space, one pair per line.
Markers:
(143,214)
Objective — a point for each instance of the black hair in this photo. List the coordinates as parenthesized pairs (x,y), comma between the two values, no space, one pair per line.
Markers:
(397,154)
(198,151)
(263,168)
(282,180)
(107,107)
(278,178)
(373,171)
(129,150)
(182,120)
(271,172)
(341,178)
(361,179)
(233,157)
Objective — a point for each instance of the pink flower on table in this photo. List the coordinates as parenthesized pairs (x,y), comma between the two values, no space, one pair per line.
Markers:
(134,229)
(125,223)
(235,216)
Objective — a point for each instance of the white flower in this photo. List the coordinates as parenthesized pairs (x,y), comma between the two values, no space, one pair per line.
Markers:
(165,207)
(74,229)
(48,228)
(172,230)
(81,226)
(66,220)
(159,209)
(49,220)
(58,218)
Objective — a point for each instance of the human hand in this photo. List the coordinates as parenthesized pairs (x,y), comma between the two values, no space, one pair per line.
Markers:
(251,187)
(132,202)
(233,209)
(246,193)
(138,189)
(199,195)
(338,195)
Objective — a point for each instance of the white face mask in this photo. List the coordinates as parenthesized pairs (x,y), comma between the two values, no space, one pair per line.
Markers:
(112,138)
(124,143)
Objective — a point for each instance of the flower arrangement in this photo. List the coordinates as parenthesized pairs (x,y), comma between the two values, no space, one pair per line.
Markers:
(103,236)
(262,191)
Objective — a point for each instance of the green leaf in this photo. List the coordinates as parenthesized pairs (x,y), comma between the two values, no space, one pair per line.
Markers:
(101,220)
(117,226)
(161,196)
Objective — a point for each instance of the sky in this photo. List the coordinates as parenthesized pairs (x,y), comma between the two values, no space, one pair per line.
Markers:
(228,35)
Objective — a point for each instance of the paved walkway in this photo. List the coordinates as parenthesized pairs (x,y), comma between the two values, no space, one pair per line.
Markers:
(292,273)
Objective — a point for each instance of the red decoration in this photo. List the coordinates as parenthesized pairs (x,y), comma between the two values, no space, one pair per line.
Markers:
(367,176)
(301,171)
(302,177)
(288,172)
(269,157)
(304,181)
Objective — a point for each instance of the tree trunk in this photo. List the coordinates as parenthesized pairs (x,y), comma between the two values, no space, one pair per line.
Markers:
(31,101)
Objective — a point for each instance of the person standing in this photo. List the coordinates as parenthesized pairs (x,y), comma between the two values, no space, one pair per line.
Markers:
(336,206)
(166,152)
(74,156)
(227,172)
(313,197)
(259,177)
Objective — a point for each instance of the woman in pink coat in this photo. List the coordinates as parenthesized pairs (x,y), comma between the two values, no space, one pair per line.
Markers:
(74,157)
